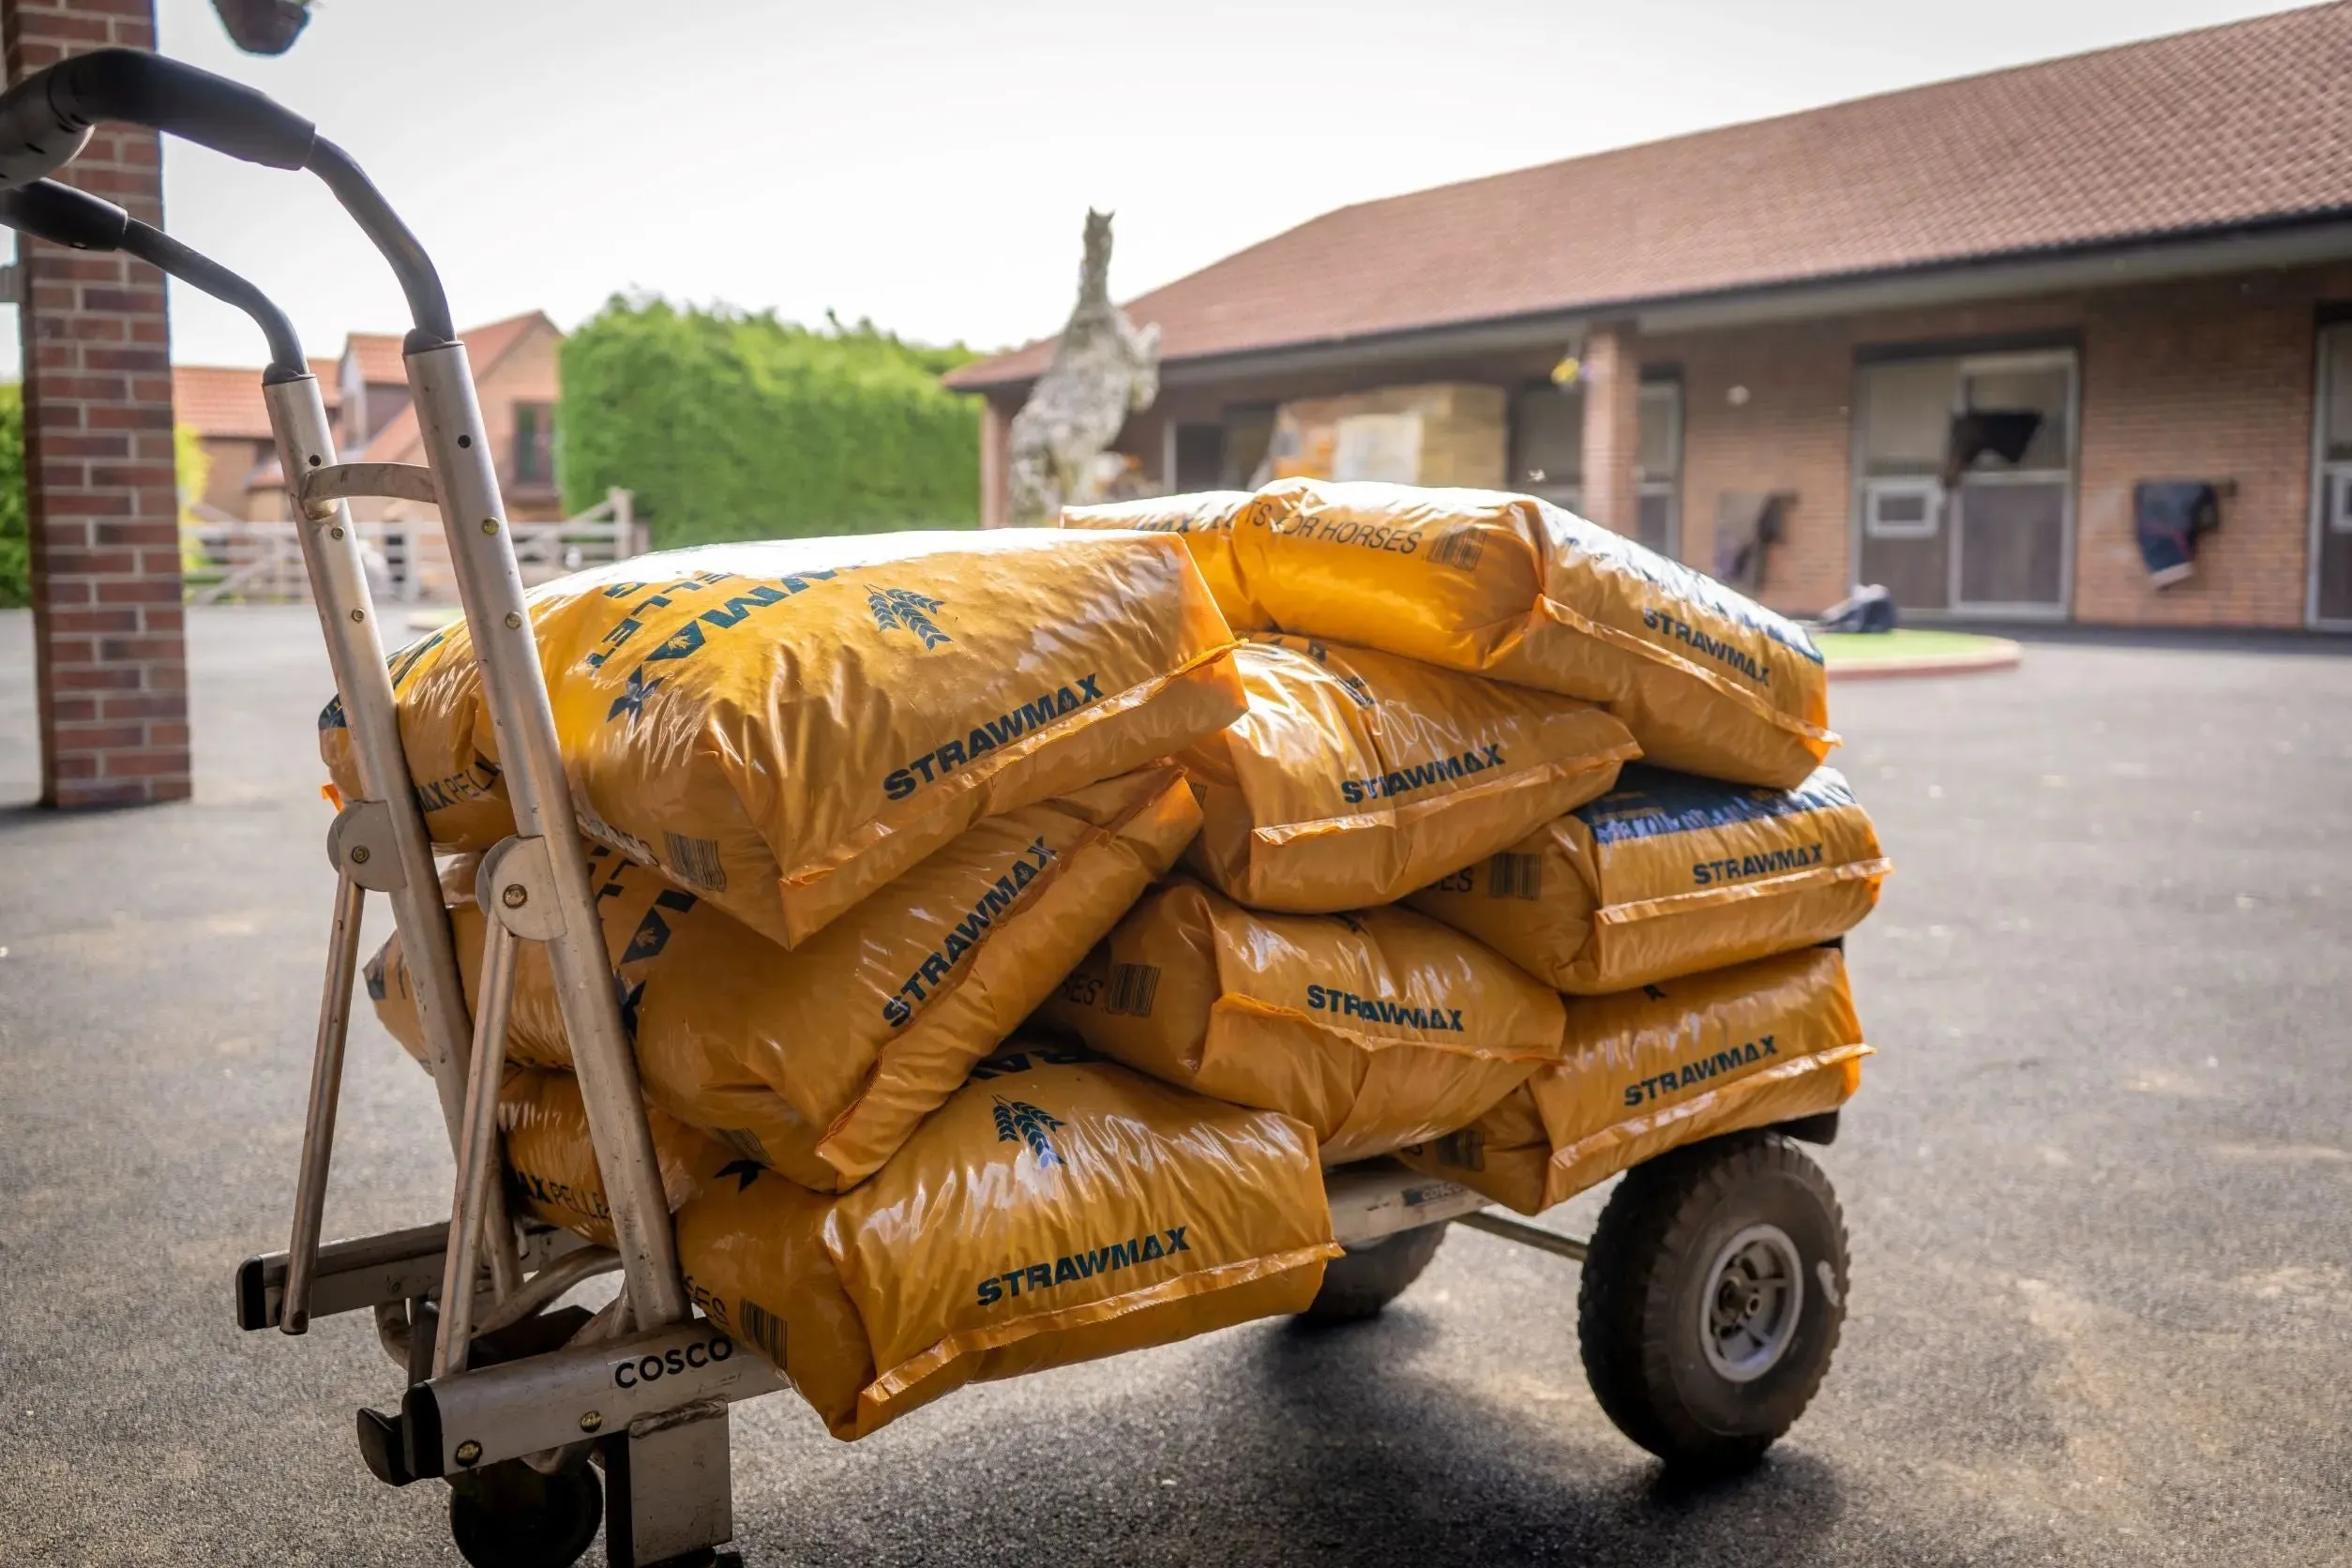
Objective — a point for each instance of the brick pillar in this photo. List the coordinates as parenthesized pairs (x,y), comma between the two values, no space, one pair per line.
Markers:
(996,432)
(102,504)
(1611,378)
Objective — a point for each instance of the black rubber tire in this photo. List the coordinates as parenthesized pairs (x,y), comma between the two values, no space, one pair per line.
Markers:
(1639,1303)
(509,1515)
(1365,1279)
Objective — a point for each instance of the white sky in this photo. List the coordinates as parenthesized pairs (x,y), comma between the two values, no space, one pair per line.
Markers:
(927,162)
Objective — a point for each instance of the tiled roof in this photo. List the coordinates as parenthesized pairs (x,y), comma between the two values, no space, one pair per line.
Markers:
(220,400)
(379,356)
(2244,124)
(225,401)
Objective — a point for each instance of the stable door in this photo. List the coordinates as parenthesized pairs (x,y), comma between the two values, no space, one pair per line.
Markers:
(1966,485)
(2330,605)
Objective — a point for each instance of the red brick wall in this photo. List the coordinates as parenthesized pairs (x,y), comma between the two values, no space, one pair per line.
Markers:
(1787,433)
(2205,380)
(111,663)
(1793,431)
(2202,381)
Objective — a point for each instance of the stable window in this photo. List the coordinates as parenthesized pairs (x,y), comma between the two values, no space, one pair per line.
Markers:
(1547,443)
(2038,391)
(1547,455)
(1900,508)
(1248,437)
(534,443)
(2336,401)
(1907,418)
(1658,472)
(1196,457)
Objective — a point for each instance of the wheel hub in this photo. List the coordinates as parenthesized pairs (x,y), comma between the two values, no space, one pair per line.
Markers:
(1749,1309)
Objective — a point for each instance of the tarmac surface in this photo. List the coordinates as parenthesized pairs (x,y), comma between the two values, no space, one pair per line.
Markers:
(2098,1184)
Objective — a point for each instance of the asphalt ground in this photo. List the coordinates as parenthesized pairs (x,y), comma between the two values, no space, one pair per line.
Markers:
(2099,1182)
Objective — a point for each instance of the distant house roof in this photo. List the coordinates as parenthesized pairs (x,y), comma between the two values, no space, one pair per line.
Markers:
(220,401)
(224,401)
(379,356)
(484,347)
(2212,130)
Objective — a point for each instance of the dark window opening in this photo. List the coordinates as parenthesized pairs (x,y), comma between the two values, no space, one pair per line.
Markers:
(1248,437)
(1200,458)
(534,443)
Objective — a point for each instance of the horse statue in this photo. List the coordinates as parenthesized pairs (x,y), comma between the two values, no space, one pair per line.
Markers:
(1103,371)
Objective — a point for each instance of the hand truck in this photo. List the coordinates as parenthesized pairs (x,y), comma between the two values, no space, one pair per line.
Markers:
(510,1401)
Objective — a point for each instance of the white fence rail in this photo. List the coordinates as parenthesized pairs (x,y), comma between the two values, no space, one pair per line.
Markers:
(231,560)
(602,534)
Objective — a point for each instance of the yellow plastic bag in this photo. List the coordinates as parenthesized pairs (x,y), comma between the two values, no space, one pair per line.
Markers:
(1376,1029)
(1654,1069)
(1055,1210)
(1355,777)
(551,1162)
(785,727)
(1709,681)
(1669,875)
(820,1060)
(1204,521)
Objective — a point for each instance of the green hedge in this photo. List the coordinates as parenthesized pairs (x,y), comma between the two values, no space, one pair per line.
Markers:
(16,558)
(732,426)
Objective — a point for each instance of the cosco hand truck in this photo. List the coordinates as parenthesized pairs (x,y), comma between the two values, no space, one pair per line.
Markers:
(1708,1313)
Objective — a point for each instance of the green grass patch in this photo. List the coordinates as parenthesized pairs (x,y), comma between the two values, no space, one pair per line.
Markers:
(1855,647)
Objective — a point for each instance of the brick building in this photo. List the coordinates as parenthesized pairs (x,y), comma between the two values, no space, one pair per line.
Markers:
(366,388)
(1945,336)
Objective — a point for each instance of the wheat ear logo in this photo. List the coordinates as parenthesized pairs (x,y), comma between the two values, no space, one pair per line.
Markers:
(904,610)
(1019,1121)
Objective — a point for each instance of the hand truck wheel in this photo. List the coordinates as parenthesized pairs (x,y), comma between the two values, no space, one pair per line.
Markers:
(510,1515)
(1712,1297)
(1366,1278)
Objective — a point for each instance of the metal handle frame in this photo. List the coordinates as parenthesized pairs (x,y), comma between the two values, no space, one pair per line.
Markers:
(506,655)
(670,1491)
(184,101)
(506,652)
(326,1084)
(490,586)
(477,1151)
(363,685)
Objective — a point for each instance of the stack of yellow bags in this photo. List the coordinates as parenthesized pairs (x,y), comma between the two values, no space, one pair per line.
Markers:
(1424,831)
(856,808)
(1011,927)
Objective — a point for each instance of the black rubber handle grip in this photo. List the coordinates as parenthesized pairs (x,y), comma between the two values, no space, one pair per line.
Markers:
(64,215)
(46,118)
(34,139)
(201,271)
